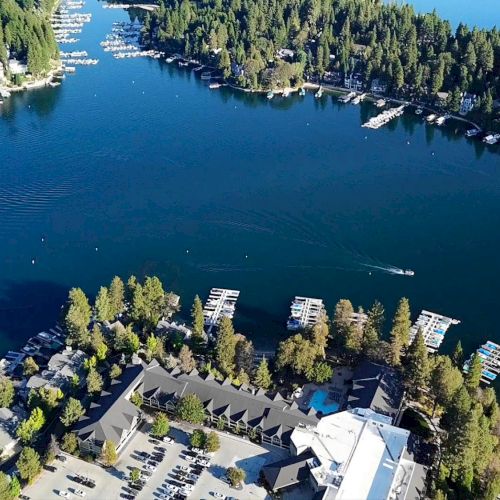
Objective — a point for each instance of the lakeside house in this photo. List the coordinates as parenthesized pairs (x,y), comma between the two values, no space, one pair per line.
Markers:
(17,67)
(353,81)
(468,103)
(349,455)
(61,368)
(378,86)
(10,419)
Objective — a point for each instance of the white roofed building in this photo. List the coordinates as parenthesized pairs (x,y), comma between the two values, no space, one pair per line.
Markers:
(358,454)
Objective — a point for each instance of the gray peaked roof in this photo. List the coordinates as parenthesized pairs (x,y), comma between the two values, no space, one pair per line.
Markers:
(112,413)
(376,387)
(287,472)
(271,412)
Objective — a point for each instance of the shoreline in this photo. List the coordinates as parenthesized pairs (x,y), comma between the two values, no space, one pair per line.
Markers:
(35,84)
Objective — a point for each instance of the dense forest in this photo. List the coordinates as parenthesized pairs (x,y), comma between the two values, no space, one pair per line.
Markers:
(26,34)
(416,55)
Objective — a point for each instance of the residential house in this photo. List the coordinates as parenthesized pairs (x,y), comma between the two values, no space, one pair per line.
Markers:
(378,86)
(354,82)
(468,103)
(9,421)
(17,67)
(113,417)
(286,54)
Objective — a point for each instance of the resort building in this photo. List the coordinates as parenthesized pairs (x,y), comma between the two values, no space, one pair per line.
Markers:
(113,417)
(354,82)
(17,67)
(433,327)
(489,354)
(245,408)
(305,312)
(378,388)
(355,454)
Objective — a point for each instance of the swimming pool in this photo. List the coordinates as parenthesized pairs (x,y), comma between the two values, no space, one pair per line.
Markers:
(318,402)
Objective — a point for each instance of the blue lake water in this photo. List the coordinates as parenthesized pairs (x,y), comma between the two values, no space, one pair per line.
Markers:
(135,166)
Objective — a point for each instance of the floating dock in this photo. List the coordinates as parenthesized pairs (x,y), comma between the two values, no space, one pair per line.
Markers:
(434,327)
(384,117)
(221,302)
(305,312)
(489,354)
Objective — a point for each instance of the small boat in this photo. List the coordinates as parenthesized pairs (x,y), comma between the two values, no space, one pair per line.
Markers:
(286,93)
(431,118)
(302,91)
(419,111)
(170,59)
(440,120)
(319,93)
(183,64)
(491,139)
(472,132)
(270,95)
(206,75)
(409,272)
(198,68)
(214,85)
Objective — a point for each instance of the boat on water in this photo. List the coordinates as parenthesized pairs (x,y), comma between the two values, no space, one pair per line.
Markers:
(206,75)
(472,132)
(214,85)
(419,111)
(319,93)
(440,120)
(170,59)
(408,272)
(286,93)
(183,64)
(430,118)
(198,68)
(302,91)
(270,95)
(492,139)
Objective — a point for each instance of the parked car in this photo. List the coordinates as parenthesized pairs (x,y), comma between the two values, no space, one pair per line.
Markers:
(196,450)
(185,468)
(62,458)
(167,439)
(216,494)
(50,468)
(80,493)
(172,487)
(188,487)
(150,468)
(202,462)
(64,494)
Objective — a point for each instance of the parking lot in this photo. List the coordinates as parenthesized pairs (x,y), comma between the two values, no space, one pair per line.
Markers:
(112,483)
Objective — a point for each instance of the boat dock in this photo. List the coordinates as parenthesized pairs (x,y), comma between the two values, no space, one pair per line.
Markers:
(305,312)
(346,98)
(384,117)
(221,302)
(433,327)
(489,354)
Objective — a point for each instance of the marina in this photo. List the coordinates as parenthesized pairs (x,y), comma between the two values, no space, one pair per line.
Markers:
(489,354)
(221,302)
(433,327)
(305,312)
(384,117)
(347,97)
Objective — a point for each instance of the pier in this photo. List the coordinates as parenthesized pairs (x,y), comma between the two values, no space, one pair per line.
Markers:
(305,312)
(384,117)
(489,354)
(433,327)
(221,302)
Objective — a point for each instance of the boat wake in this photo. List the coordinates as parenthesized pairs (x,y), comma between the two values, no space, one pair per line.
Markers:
(391,269)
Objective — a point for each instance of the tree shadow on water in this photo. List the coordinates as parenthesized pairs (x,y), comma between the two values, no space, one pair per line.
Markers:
(28,307)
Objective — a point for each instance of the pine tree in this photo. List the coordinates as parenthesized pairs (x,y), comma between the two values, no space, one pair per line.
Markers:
(262,375)
(77,318)
(417,369)
(474,374)
(458,355)
(400,332)
(225,348)
(116,296)
(103,306)
(197,317)
(186,360)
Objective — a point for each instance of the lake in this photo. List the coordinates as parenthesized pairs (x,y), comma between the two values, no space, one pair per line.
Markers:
(135,166)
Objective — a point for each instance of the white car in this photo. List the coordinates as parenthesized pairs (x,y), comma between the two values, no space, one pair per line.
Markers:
(203,463)
(190,458)
(150,468)
(80,493)
(196,450)
(172,487)
(64,494)
(218,495)
(187,487)
(185,468)
(167,439)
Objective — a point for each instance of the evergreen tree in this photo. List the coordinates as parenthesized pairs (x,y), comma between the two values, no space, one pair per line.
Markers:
(197,317)
(72,412)
(417,369)
(94,382)
(458,355)
(225,349)
(263,376)
(28,464)
(109,455)
(446,379)
(77,318)
(161,425)
(190,409)
(6,392)
(474,373)
(116,296)
(400,332)
(186,360)
(103,308)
